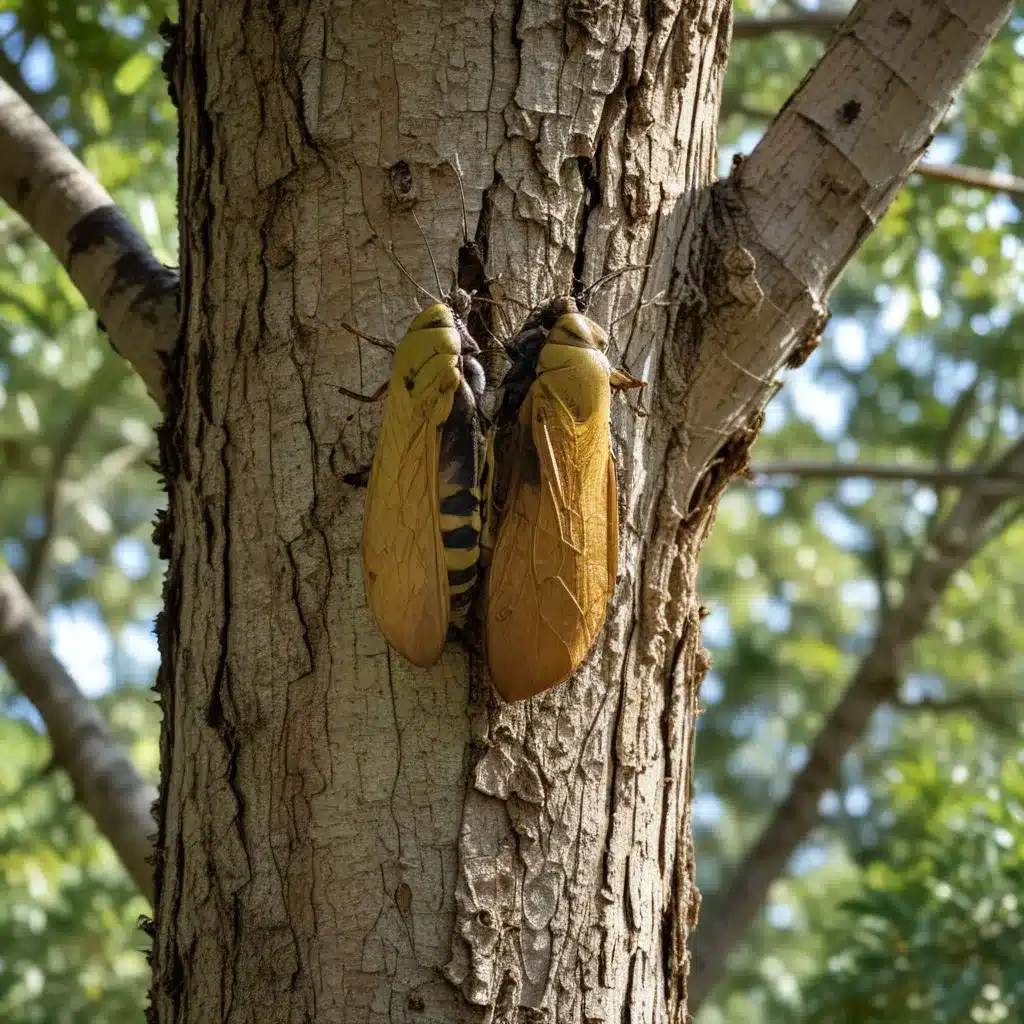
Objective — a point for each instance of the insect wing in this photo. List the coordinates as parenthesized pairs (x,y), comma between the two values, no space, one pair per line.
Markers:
(554,562)
(404,565)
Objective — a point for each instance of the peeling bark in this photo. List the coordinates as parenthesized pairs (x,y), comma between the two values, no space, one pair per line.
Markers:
(339,838)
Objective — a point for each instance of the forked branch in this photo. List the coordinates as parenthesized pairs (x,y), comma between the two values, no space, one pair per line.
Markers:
(809,23)
(822,176)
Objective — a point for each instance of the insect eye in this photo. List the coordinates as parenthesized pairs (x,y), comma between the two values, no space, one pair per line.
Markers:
(410,381)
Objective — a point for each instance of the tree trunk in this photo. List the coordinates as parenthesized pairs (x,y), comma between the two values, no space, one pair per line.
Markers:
(344,836)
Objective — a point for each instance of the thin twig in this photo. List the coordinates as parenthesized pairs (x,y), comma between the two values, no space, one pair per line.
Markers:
(961,702)
(996,710)
(102,382)
(975,177)
(108,469)
(987,480)
(812,23)
(963,408)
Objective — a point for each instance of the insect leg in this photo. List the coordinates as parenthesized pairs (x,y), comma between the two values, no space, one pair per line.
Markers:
(375,397)
(388,346)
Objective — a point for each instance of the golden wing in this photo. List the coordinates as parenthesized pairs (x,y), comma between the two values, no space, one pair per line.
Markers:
(404,569)
(555,559)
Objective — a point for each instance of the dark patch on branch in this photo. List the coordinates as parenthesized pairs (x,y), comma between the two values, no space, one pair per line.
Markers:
(850,111)
(809,341)
(732,459)
(135,265)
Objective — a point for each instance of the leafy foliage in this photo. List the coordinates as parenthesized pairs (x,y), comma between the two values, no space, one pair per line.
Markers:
(920,365)
(76,433)
(69,949)
(935,930)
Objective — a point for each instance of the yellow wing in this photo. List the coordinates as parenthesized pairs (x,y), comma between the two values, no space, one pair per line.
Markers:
(555,559)
(404,569)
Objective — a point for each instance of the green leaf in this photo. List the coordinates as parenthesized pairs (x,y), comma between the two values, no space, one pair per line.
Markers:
(134,73)
(99,113)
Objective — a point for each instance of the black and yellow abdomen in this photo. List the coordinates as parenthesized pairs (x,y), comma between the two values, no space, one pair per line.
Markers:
(459,490)
(421,525)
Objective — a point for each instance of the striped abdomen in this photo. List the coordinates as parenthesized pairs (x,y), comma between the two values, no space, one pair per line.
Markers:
(459,492)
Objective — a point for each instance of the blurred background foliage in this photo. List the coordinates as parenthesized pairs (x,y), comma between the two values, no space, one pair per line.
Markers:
(903,904)
(77,499)
(877,918)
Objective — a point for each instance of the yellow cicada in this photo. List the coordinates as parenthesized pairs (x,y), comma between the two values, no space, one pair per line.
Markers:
(552,510)
(421,523)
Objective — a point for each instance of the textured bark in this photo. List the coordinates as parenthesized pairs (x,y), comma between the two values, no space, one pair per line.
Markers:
(971,523)
(339,838)
(134,295)
(105,781)
(817,183)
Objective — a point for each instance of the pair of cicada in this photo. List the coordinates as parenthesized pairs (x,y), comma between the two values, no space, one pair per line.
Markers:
(536,490)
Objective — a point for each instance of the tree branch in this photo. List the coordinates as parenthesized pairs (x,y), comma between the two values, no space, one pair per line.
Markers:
(728,914)
(962,410)
(977,478)
(105,781)
(107,469)
(975,177)
(811,23)
(959,174)
(134,295)
(992,709)
(791,216)
(10,72)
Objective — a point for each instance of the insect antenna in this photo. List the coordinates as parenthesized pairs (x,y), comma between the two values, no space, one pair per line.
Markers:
(513,301)
(499,308)
(642,304)
(454,161)
(430,255)
(389,248)
(388,346)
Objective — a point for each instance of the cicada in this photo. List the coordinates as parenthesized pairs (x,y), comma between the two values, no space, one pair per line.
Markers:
(421,523)
(553,507)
